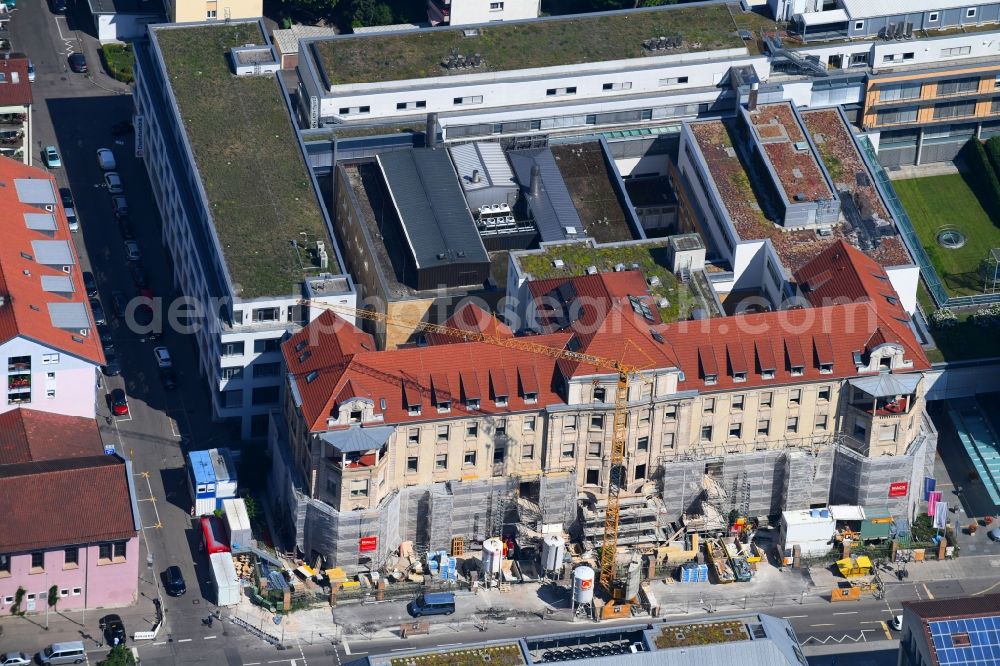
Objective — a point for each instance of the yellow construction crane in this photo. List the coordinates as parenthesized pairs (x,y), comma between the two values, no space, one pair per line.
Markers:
(609,545)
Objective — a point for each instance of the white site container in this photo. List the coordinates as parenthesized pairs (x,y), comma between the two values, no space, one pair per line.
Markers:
(227,585)
(237,522)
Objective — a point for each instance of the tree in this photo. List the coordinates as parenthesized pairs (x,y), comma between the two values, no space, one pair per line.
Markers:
(119,656)
(370,12)
(53,596)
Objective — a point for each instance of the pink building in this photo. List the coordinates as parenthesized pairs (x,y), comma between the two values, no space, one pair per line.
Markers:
(69,517)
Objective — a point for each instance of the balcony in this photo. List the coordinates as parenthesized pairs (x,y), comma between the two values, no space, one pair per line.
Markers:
(12,118)
(896,406)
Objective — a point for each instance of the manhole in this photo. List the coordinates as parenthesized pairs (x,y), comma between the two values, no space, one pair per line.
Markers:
(951,239)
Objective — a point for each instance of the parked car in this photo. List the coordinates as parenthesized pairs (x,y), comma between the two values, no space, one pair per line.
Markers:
(52,159)
(71,219)
(111,367)
(994,534)
(119,302)
(120,206)
(89,284)
(174,581)
(168,378)
(14,659)
(125,226)
(106,159)
(132,252)
(31,72)
(107,340)
(98,310)
(162,355)
(433,603)
(71,652)
(144,316)
(896,623)
(114,182)
(59,6)
(138,275)
(114,630)
(119,402)
(78,63)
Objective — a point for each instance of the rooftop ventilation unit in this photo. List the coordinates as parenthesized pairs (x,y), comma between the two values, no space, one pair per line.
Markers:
(619,268)
(570,231)
(654,281)
(591,270)
(558,263)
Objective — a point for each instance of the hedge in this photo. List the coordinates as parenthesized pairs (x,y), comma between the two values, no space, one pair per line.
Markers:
(119,60)
(978,163)
(993,152)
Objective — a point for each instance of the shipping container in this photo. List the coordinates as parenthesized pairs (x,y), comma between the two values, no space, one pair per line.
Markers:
(227,585)
(237,523)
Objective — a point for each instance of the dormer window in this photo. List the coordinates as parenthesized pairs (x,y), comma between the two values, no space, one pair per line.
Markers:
(767,374)
(444,406)
(826,368)
(300,345)
(600,394)
(355,416)
(798,370)
(472,403)
(501,401)
(413,410)
(530,398)
(739,376)
(885,363)
(311,377)
(711,380)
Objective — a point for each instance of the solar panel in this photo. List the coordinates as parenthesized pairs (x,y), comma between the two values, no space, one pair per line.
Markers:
(966,642)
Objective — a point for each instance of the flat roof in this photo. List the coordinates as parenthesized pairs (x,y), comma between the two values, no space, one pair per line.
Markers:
(438,225)
(859,9)
(783,140)
(591,185)
(255,178)
(546,42)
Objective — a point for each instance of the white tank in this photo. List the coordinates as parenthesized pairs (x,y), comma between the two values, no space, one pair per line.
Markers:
(492,554)
(553,551)
(583,585)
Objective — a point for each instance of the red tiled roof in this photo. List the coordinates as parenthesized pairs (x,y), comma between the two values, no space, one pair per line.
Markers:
(765,355)
(793,349)
(27,435)
(470,317)
(14,94)
(24,311)
(823,347)
(72,501)
(737,361)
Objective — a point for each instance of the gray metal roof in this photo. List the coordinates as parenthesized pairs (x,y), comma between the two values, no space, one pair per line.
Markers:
(52,252)
(488,159)
(756,653)
(355,440)
(60,284)
(438,225)
(40,221)
(885,384)
(69,316)
(859,9)
(553,209)
(35,191)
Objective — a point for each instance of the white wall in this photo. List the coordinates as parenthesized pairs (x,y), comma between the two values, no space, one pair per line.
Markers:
(122,27)
(904,279)
(74,381)
(466,12)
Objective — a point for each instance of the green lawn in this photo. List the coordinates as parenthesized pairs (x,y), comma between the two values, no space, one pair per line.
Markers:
(939,201)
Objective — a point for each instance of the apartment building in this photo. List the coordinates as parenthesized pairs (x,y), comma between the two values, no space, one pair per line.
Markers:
(49,341)
(470,12)
(15,110)
(889,19)
(79,533)
(196,11)
(795,407)
(250,240)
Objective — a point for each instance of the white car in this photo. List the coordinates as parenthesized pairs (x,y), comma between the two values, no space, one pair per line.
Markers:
(74,225)
(132,252)
(114,182)
(106,159)
(14,659)
(162,355)
(897,623)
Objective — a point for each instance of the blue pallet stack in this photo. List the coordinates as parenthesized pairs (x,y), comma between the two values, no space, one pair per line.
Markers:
(694,573)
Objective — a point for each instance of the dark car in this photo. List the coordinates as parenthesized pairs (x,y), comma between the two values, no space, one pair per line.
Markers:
(122,128)
(168,378)
(432,603)
(111,367)
(119,402)
(66,196)
(59,6)
(113,627)
(174,581)
(89,284)
(78,63)
(98,310)
(119,301)
(138,275)
(144,316)
(107,341)
(125,226)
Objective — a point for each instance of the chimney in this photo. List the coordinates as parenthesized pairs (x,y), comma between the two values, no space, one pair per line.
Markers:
(536,181)
(431,134)
(754,91)
(475,176)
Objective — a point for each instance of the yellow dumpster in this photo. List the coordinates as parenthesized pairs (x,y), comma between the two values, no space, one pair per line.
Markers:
(852,567)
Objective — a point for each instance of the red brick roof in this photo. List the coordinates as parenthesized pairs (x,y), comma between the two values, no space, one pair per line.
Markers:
(24,311)
(470,317)
(14,94)
(27,435)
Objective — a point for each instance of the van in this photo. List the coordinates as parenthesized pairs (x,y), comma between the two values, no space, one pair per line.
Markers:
(438,603)
(63,653)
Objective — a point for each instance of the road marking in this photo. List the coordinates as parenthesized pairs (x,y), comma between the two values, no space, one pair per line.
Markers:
(160,643)
(976,594)
(871,622)
(208,638)
(929,595)
(846,637)
(347,648)
(847,613)
(885,628)
(825,624)
(402,649)
(252,663)
(792,617)
(184,640)
(448,644)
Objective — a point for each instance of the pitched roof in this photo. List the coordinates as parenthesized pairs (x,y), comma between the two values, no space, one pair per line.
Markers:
(27,435)
(53,319)
(470,317)
(14,94)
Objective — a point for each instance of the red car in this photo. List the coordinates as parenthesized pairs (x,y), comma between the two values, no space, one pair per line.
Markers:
(119,403)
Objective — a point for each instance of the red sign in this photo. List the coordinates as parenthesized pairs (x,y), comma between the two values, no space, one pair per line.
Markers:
(585,584)
(367,544)
(899,489)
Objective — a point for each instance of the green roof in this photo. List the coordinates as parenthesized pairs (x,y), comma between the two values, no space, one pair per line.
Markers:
(255,177)
(574,40)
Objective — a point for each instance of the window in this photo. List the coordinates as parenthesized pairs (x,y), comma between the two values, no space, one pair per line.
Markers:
(529,424)
(826,368)
(739,377)
(593,477)
(232,348)
(996,81)
(887,433)
(211,13)
(441,461)
(400,106)
(411,465)
(860,432)
(37,560)
(640,472)
(673,81)
(821,422)
(735,430)
(798,370)
(670,412)
(472,403)
(470,99)
(600,394)
(899,91)
(823,395)
(332,487)
(104,551)
(4,564)
(956,51)
(964,85)
(995,105)
(858,60)
(767,374)
(119,549)
(527,451)
(597,422)
(642,444)
(623,85)
(568,450)
(232,398)
(469,459)
(895,116)
(569,422)
(970,12)
(765,399)
(709,405)
(644,415)
(265,395)
(859,25)
(496,6)
(501,427)
(349,110)
(442,433)
(359,488)
(530,398)
(50,359)
(266,345)
(230,373)
(795,397)
(413,436)
(793,424)
(763,427)
(932,17)
(711,380)
(501,401)
(559,92)
(738,402)
(413,410)
(472,430)
(668,440)
(266,369)
(355,416)
(706,433)
(594,450)
(77,591)
(954,109)
(265,314)
(50,394)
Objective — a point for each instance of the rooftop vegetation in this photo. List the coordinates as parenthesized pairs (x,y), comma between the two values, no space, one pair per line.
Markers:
(259,192)
(706,633)
(494,655)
